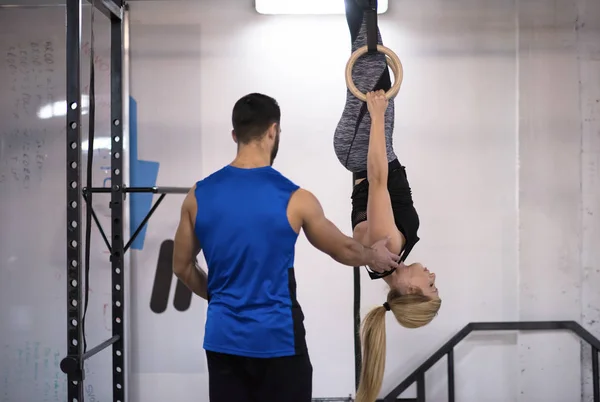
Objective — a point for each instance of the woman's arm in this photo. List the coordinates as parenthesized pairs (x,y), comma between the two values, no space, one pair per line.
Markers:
(377,163)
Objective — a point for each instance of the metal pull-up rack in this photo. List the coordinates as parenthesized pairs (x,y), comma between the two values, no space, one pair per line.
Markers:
(73,363)
(163,191)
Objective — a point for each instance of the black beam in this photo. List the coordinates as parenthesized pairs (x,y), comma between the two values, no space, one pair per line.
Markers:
(144,221)
(73,159)
(137,231)
(519,326)
(583,333)
(421,387)
(356,323)
(398,400)
(97,221)
(595,374)
(110,8)
(117,199)
(451,375)
(154,190)
(356,326)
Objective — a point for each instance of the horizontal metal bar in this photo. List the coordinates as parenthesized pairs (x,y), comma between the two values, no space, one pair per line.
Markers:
(399,400)
(109,8)
(100,347)
(520,326)
(155,190)
(173,190)
(335,399)
(583,333)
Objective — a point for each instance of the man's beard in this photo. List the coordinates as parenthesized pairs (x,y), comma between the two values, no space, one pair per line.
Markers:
(275,149)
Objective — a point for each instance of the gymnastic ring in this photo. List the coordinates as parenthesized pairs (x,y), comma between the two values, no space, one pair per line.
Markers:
(393,62)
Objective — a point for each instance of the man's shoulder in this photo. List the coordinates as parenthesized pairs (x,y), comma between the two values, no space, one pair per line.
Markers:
(216,175)
(272,175)
(284,179)
(303,198)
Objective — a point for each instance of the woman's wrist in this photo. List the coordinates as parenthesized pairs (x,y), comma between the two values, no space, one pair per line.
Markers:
(378,118)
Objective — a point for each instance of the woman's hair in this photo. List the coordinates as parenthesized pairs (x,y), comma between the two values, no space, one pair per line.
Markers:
(412,311)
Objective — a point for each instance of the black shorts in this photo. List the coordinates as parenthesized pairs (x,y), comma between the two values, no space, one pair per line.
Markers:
(405,214)
(246,379)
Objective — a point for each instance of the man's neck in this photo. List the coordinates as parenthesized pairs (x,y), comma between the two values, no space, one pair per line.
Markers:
(251,158)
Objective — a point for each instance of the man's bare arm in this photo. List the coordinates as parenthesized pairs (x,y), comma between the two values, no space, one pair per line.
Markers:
(187,248)
(326,237)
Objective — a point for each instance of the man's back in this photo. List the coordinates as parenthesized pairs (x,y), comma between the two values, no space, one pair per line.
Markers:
(246,217)
(242,226)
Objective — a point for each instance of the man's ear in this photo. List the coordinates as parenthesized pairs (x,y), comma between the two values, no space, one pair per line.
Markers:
(272,132)
(234,136)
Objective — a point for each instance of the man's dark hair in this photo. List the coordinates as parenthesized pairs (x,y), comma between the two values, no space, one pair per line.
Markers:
(252,115)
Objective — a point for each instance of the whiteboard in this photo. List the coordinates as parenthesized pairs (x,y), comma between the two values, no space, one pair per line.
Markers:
(33,205)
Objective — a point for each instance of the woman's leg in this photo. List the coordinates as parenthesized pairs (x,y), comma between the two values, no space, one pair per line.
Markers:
(351,139)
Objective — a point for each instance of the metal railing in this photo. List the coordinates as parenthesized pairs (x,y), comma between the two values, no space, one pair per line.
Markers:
(418,376)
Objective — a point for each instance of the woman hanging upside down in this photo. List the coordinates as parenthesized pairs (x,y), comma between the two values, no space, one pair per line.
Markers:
(381,203)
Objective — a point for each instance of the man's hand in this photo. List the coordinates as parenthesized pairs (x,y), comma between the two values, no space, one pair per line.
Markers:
(307,213)
(383,259)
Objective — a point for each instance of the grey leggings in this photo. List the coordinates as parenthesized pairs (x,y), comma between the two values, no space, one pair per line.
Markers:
(351,139)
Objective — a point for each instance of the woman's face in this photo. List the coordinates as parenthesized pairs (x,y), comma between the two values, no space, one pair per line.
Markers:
(417,276)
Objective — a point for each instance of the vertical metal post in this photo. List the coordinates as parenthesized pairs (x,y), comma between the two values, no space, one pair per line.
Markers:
(451,375)
(595,374)
(125,126)
(357,345)
(73,137)
(421,387)
(117,199)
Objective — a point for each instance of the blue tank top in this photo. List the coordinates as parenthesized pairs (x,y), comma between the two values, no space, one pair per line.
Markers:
(249,247)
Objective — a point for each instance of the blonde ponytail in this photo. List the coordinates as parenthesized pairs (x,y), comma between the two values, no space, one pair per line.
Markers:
(411,311)
(373,365)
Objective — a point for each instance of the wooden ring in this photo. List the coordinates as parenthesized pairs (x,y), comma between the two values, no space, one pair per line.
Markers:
(393,62)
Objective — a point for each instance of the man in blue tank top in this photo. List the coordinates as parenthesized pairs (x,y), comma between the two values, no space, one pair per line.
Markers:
(246,218)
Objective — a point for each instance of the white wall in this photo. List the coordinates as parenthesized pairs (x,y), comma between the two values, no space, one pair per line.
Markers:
(485,83)
(558,193)
(549,197)
(456,132)
(588,49)
(497,122)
